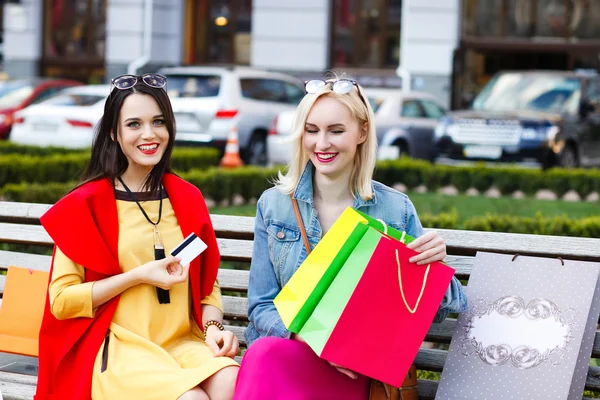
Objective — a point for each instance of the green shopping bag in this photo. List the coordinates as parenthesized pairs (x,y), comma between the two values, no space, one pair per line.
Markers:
(301,295)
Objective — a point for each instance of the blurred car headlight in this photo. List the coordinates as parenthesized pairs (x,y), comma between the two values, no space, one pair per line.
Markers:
(441,130)
(551,132)
(529,134)
(541,133)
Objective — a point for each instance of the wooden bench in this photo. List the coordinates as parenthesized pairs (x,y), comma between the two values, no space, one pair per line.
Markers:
(19,223)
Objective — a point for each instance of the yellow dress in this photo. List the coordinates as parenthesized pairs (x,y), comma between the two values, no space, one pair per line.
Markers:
(155,351)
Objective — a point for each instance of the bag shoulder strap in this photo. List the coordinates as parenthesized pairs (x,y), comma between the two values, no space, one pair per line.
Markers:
(300,224)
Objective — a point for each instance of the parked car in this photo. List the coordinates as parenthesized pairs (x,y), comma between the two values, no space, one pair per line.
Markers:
(547,117)
(18,94)
(67,119)
(211,101)
(404,121)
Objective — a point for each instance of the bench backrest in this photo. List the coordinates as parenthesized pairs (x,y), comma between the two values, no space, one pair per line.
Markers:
(19,223)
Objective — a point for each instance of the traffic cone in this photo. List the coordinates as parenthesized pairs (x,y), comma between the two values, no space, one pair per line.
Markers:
(231,158)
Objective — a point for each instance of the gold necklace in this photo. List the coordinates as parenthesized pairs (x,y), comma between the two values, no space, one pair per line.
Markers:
(411,310)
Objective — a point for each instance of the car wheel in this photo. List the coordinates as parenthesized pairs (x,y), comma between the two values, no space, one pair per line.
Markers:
(568,157)
(402,149)
(256,153)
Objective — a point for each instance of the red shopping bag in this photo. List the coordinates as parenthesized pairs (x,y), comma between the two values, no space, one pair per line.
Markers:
(388,315)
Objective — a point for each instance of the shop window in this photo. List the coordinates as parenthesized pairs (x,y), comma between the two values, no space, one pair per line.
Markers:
(366,33)
(74,41)
(75,29)
(219,31)
(532,18)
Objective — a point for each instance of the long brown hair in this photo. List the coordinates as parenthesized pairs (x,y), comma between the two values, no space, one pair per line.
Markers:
(108,160)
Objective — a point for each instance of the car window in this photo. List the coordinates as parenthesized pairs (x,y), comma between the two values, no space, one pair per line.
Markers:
(375,102)
(511,91)
(412,109)
(193,85)
(432,110)
(12,94)
(592,91)
(294,93)
(46,94)
(264,89)
(74,99)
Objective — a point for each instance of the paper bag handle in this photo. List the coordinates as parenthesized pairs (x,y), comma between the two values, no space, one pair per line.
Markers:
(300,224)
(411,310)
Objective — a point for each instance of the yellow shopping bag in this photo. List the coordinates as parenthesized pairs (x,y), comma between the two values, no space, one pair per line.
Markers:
(299,297)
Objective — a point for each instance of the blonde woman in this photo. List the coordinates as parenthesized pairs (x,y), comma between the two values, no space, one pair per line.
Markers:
(332,167)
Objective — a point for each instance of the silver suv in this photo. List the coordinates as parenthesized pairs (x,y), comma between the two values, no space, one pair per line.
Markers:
(211,101)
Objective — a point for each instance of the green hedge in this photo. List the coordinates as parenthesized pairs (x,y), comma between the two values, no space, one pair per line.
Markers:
(216,183)
(16,168)
(221,184)
(22,149)
(507,179)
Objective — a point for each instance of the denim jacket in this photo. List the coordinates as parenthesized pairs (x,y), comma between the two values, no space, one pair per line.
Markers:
(279,249)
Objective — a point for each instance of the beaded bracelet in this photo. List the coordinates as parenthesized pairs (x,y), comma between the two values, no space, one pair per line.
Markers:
(213,322)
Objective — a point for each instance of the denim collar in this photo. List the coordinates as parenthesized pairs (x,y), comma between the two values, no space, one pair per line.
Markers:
(304,190)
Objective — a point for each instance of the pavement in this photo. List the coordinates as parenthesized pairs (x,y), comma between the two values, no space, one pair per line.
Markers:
(19,364)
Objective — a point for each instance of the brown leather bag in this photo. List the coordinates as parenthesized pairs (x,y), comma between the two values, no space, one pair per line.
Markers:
(408,391)
(378,390)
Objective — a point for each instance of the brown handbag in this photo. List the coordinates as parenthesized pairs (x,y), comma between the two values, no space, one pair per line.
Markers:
(408,391)
(377,390)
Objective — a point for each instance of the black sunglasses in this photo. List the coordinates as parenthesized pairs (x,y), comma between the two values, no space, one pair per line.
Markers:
(124,82)
(339,86)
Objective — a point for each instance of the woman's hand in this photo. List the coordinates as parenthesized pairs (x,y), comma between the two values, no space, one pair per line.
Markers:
(431,246)
(349,373)
(222,343)
(163,273)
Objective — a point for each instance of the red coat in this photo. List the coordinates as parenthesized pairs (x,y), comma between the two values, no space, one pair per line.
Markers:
(84,225)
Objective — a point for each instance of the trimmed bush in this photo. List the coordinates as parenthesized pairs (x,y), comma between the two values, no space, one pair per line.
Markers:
(14,148)
(15,168)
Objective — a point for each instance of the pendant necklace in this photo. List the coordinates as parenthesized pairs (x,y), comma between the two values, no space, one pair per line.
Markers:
(159,248)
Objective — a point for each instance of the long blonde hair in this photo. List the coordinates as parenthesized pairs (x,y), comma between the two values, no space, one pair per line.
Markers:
(366,153)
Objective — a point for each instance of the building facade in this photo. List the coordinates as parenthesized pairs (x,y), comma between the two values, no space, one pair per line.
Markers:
(447,47)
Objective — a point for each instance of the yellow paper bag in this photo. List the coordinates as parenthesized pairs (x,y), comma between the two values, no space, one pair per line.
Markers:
(300,296)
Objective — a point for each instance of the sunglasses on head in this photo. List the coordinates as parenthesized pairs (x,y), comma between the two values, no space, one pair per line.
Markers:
(339,86)
(124,82)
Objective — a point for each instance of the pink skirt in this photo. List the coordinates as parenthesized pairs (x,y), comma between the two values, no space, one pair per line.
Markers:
(282,369)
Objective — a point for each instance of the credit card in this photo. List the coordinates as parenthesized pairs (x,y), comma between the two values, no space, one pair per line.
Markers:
(191,247)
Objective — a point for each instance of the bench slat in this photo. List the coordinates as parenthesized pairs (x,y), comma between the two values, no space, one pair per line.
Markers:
(427,389)
(233,227)
(34,261)
(464,242)
(17,386)
(24,213)
(26,234)
(231,249)
(233,280)
(469,242)
(29,213)
(229,279)
(236,308)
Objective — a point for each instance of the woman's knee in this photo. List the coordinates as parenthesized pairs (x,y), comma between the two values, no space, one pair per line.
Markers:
(221,385)
(266,349)
(194,394)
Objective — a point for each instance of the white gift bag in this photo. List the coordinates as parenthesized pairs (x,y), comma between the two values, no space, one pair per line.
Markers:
(528,332)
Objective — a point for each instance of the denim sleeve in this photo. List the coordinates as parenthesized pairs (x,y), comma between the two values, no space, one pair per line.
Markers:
(455,299)
(263,286)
